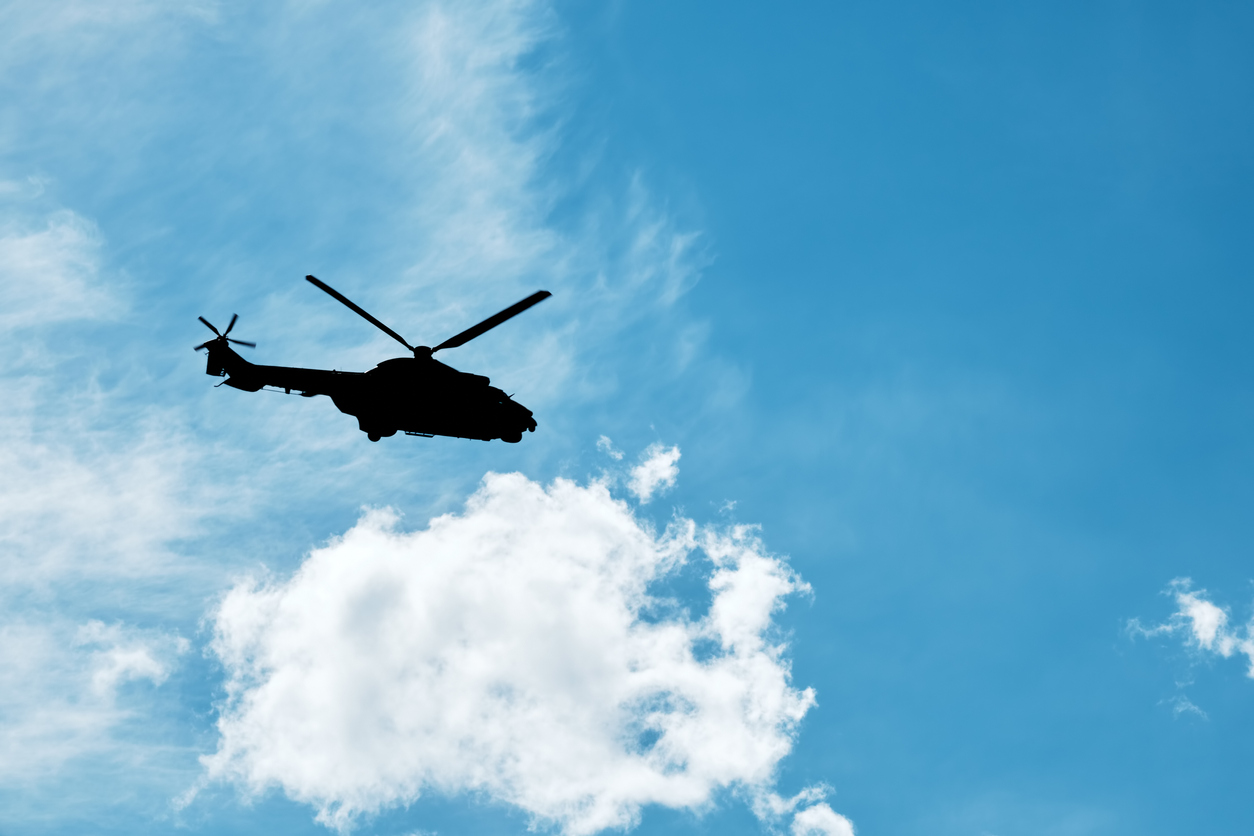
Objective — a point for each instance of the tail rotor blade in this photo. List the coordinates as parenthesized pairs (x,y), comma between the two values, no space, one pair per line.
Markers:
(222,335)
(493,321)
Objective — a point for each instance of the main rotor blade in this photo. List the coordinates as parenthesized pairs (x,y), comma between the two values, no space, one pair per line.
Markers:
(241,342)
(493,321)
(359,311)
(234,317)
(209,325)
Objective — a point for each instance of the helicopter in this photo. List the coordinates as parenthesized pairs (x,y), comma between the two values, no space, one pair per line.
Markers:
(416,395)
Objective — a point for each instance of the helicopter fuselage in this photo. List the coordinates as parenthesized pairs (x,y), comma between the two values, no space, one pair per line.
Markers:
(415,395)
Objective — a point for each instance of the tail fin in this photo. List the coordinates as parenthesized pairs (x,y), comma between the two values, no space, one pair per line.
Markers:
(215,366)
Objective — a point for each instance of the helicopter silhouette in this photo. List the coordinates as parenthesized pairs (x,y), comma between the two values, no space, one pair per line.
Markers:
(416,395)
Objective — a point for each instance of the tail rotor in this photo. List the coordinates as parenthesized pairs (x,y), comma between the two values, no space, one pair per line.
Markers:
(222,335)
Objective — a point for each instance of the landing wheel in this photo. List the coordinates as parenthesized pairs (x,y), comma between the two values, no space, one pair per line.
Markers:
(372,436)
(512,438)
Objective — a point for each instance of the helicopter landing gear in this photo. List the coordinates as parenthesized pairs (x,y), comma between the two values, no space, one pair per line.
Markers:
(372,436)
(512,437)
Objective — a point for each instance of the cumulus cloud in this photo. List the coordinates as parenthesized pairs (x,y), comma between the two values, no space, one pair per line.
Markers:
(1204,626)
(821,820)
(517,650)
(656,472)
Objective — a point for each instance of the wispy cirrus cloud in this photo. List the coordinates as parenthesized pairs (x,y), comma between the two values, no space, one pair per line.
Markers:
(94,488)
(455,105)
(59,691)
(94,496)
(49,272)
(220,147)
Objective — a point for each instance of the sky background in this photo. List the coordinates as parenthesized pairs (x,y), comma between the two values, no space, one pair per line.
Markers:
(950,301)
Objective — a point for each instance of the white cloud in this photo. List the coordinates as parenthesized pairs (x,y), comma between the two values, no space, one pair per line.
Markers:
(103,488)
(512,650)
(1208,623)
(472,114)
(1204,625)
(59,689)
(815,818)
(95,486)
(50,273)
(84,502)
(656,472)
(821,820)
(95,494)
(119,655)
(490,130)
(1180,704)
(606,446)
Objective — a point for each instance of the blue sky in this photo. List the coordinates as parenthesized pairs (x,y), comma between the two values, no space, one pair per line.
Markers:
(942,307)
